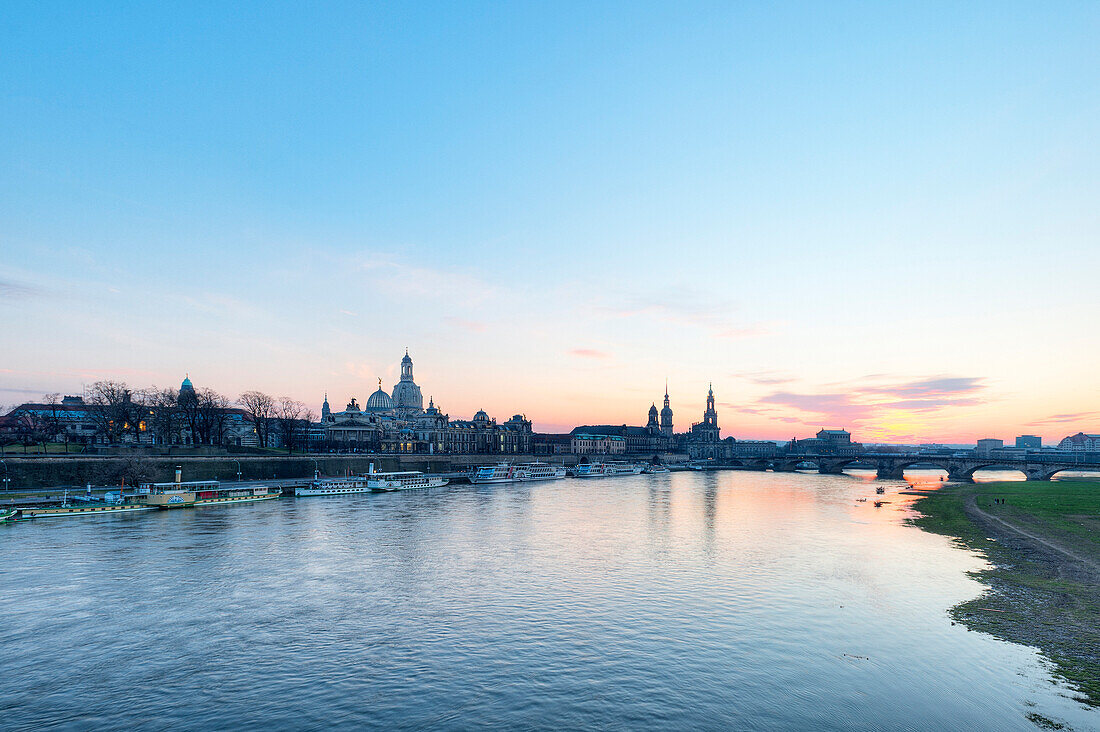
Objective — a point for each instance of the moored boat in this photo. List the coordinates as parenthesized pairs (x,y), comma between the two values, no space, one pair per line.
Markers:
(505,473)
(333,487)
(111,503)
(655,469)
(606,470)
(8,514)
(403,481)
(201,493)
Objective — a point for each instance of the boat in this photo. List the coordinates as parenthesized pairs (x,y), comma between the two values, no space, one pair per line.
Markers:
(606,470)
(333,487)
(655,469)
(403,481)
(540,471)
(505,473)
(880,490)
(201,493)
(500,473)
(8,514)
(111,502)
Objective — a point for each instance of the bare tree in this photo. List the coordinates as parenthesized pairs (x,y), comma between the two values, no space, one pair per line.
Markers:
(53,418)
(292,420)
(261,408)
(109,409)
(213,416)
(165,415)
(30,429)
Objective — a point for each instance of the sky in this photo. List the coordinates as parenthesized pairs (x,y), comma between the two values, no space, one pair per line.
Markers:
(878,216)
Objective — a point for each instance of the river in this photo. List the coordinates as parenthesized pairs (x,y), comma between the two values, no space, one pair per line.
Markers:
(723,600)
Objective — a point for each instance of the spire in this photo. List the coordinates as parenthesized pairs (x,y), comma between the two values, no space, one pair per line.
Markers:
(666,387)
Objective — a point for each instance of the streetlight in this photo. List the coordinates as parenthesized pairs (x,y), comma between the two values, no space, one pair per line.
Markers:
(316,469)
(238,462)
(7,478)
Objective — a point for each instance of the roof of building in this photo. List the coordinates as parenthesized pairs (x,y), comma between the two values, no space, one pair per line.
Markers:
(379,401)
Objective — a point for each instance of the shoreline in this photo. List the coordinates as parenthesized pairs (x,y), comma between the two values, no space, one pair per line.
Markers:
(1042,540)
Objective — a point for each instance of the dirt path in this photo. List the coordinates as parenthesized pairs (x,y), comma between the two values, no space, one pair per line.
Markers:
(982,516)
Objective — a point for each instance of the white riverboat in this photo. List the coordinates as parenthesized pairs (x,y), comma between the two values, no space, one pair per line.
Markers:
(654,469)
(541,471)
(505,473)
(606,470)
(403,481)
(333,487)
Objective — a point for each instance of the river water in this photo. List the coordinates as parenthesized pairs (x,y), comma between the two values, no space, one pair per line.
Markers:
(725,600)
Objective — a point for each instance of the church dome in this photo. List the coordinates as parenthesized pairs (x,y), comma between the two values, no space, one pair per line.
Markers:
(379,401)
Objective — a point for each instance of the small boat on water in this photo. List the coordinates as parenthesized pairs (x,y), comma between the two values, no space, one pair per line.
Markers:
(8,515)
(505,473)
(655,469)
(606,470)
(880,490)
(403,481)
(333,487)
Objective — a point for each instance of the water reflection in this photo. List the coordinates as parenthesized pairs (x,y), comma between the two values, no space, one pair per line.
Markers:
(711,600)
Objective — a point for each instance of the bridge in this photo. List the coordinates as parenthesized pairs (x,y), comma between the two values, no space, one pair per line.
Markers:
(891,465)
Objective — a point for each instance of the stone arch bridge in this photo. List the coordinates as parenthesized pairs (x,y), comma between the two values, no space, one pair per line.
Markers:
(892,465)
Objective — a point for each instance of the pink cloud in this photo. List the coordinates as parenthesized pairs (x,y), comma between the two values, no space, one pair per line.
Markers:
(589,353)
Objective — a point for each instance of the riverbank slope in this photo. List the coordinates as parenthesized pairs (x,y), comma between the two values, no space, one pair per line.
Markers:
(1043,542)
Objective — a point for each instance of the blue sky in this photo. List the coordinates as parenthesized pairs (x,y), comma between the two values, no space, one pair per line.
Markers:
(556,206)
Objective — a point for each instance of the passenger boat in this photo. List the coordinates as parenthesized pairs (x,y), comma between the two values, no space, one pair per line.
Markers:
(505,473)
(8,514)
(540,471)
(606,470)
(112,502)
(500,473)
(333,487)
(201,493)
(403,481)
(655,469)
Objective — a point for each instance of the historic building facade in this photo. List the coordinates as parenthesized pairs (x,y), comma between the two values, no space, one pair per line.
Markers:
(398,423)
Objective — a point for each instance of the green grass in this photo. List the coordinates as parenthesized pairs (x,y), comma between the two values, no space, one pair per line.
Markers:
(1034,598)
(50,448)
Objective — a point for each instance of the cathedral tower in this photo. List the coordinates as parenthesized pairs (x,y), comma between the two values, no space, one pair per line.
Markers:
(710,417)
(666,415)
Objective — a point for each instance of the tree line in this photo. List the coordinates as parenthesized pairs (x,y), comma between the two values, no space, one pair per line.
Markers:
(163,416)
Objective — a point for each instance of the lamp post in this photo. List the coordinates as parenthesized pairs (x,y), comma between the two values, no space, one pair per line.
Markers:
(7,478)
(238,462)
(316,469)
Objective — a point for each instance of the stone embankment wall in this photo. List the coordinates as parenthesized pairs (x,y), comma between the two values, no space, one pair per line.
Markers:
(76,471)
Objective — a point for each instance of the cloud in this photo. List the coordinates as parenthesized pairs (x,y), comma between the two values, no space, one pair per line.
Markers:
(685,308)
(16,291)
(764,378)
(935,387)
(349,313)
(470,325)
(1066,417)
(860,404)
(392,274)
(588,353)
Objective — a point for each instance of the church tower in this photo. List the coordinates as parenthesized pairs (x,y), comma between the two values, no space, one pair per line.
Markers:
(666,415)
(710,417)
(652,426)
(326,412)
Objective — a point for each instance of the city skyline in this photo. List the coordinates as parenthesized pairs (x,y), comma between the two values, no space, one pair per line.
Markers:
(556,209)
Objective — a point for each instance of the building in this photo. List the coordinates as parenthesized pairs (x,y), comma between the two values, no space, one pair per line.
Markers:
(1080,441)
(586,444)
(666,416)
(987,445)
(397,423)
(1031,442)
(704,441)
(826,442)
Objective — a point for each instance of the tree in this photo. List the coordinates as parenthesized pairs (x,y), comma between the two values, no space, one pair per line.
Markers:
(292,420)
(165,415)
(109,408)
(212,410)
(53,419)
(30,429)
(261,408)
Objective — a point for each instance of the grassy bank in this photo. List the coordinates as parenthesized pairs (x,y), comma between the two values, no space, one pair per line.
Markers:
(1043,540)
